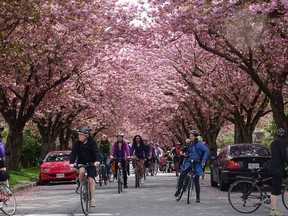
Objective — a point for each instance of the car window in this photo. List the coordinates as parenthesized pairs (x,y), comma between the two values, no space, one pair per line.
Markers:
(59,156)
(249,150)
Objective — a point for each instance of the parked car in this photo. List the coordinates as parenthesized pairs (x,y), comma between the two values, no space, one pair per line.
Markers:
(55,167)
(238,160)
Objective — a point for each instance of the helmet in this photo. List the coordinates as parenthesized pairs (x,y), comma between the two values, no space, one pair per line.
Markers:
(187,141)
(1,127)
(178,143)
(157,144)
(281,132)
(194,132)
(120,134)
(84,131)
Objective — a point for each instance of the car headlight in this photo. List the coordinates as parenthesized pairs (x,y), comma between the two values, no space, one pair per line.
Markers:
(46,169)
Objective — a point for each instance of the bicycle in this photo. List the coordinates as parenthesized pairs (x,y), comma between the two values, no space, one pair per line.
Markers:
(188,183)
(85,193)
(119,171)
(102,174)
(8,203)
(247,194)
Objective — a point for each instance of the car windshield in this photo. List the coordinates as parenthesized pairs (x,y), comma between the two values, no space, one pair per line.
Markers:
(249,150)
(57,156)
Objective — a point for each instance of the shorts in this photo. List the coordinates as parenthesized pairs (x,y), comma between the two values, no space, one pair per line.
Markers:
(276,183)
(91,171)
(4,176)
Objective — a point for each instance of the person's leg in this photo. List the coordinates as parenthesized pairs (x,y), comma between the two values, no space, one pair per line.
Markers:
(180,181)
(108,167)
(275,192)
(124,167)
(197,188)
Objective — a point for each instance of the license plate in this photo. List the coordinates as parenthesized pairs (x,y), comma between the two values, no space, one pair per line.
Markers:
(253,166)
(60,175)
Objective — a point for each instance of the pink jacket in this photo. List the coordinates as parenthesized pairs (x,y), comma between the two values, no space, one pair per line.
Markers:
(126,149)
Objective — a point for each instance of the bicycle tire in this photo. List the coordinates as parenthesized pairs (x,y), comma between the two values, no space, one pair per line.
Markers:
(100,176)
(119,180)
(245,197)
(285,196)
(156,168)
(190,188)
(85,197)
(8,199)
(137,178)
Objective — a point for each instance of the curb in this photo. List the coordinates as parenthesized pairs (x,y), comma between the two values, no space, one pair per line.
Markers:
(21,187)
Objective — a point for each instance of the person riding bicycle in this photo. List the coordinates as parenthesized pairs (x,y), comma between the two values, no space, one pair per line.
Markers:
(176,151)
(139,151)
(277,163)
(4,176)
(120,150)
(105,147)
(86,151)
(195,151)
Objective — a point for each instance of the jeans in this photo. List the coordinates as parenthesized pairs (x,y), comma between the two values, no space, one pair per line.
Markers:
(107,162)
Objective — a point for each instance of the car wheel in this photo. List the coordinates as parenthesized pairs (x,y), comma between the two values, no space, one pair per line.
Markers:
(222,185)
(41,182)
(212,182)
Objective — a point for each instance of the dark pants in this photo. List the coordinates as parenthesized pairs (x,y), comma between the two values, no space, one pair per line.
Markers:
(124,168)
(196,182)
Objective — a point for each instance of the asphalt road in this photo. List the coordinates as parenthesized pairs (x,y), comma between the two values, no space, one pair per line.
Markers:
(155,197)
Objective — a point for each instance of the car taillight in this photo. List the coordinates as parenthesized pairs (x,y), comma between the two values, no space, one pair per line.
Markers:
(231,164)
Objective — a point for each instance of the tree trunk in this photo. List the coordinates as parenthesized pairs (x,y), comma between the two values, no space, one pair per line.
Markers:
(14,148)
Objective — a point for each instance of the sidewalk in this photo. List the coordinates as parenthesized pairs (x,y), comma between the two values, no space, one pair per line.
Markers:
(23,186)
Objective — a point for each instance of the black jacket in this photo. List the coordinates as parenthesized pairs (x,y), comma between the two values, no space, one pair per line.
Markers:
(85,153)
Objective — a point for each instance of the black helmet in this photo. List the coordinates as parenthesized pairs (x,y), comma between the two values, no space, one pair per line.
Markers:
(194,132)
(120,134)
(83,131)
(1,127)
(281,132)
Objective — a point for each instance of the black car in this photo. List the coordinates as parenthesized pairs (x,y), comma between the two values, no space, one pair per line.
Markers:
(238,160)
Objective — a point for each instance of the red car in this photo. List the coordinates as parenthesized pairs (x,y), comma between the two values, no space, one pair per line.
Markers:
(55,167)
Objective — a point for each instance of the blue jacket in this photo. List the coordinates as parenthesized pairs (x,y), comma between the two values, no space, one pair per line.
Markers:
(2,149)
(195,156)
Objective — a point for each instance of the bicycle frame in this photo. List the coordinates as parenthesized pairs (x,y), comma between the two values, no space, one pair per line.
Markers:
(8,200)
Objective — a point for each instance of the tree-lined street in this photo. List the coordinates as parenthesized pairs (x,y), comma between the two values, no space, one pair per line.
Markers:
(154,198)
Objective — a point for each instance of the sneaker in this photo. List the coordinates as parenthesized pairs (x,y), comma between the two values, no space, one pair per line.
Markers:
(77,189)
(141,181)
(1,204)
(125,186)
(177,193)
(93,203)
(198,200)
(275,212)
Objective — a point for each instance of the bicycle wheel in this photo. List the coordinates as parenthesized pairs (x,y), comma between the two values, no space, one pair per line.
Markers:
(8,200)
(285,196)
(100,176)
(190,188)
(119,181)
(245,197)
(85,197)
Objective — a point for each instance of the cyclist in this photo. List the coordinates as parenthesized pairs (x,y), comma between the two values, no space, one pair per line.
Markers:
(120,150)
(139,151)
(278,160)
(195,151)
(147,154)
(176,151)
(105,147)
(87,151)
